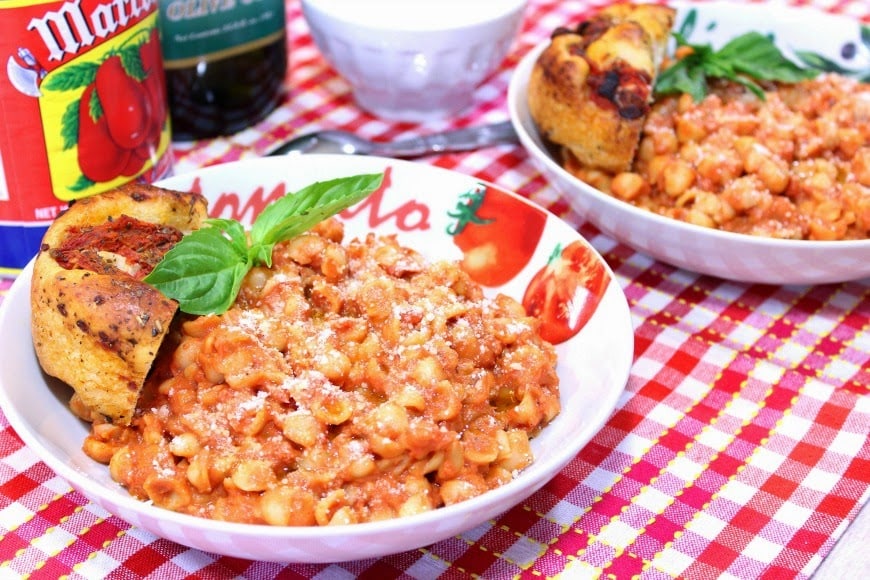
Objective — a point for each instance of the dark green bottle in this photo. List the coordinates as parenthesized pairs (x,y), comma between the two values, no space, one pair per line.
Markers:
(225,64)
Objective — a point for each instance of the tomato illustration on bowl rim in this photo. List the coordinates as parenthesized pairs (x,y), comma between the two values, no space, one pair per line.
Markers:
(564,294)
(497,233)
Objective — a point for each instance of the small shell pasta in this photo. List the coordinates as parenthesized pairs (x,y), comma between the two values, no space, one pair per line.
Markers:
(349,383)
(795,165)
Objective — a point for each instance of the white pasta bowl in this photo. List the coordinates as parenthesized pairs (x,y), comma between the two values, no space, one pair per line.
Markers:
(708,251)
(593,365)
(414,61)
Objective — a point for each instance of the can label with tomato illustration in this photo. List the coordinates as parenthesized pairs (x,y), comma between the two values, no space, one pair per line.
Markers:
(82,110)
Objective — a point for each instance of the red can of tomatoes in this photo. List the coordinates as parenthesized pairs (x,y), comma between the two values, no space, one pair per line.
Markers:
(82,110)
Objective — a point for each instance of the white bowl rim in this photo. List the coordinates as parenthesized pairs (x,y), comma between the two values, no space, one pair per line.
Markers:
(502,9)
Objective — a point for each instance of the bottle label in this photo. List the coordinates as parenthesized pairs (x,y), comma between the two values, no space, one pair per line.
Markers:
(83,109)
(213,30)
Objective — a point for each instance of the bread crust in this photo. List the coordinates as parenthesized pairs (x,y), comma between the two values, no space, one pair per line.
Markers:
(591,88)
(98,327)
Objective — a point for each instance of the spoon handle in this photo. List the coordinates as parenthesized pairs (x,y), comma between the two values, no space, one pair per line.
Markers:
(456,140)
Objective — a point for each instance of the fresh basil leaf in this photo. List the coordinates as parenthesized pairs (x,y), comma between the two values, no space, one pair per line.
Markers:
(744,58)
(756,55)
(295,213)
(234,230)
(203,272)
(261,254)
(754,88)
(686,75)
(683,77)
(205,269)
(717,67)
(748,45)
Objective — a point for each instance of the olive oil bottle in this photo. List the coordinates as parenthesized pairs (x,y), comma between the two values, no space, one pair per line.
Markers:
(225,63)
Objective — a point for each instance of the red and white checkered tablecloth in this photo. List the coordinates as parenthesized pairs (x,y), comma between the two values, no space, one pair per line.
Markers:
(739,448)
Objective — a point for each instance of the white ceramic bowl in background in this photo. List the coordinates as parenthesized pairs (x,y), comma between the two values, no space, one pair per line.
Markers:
(718,253)
(410,60)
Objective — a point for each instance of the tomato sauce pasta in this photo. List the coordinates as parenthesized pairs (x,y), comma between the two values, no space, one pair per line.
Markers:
(349,383)
(795,165)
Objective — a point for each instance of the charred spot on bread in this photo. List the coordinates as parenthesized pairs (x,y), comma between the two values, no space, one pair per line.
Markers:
(623,87)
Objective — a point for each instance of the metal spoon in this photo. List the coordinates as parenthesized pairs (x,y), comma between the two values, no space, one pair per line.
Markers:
(445,142)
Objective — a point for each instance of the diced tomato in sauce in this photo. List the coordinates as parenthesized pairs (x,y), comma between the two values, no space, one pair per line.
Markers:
(141,244)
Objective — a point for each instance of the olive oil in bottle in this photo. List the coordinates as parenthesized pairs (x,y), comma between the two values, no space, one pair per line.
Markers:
(225,62)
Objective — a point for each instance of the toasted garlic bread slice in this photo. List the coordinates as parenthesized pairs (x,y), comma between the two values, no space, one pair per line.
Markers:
(591,88)
(96,325)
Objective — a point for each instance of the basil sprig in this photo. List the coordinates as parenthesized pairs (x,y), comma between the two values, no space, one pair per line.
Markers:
(746,57)
(204,270)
